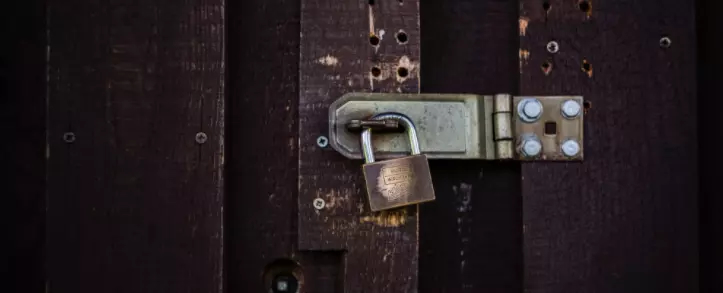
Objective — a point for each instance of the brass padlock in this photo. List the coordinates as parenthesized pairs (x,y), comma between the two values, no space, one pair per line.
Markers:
(396,182)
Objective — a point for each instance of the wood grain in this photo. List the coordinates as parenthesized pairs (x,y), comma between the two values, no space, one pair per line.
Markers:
(22,110)
(337,57)
(135,203)
(710,28)
(471,235)
(263,139)
(625,219)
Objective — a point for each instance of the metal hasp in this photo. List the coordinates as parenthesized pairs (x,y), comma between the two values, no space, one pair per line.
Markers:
(465,126)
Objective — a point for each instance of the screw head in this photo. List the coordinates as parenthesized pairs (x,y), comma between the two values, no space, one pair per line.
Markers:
(553,47)
(529,110)
(570,109)
(322,141)
(319,203)
(570,148)
(665,42)
(69,137)
(531,147)
(201,138)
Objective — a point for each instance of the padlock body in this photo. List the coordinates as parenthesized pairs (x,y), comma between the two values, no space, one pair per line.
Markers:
(398,182)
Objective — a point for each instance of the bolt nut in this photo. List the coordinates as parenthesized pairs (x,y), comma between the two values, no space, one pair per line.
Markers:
(570,148)
(570,109)
(319,203)
(553,47)
(529,110)
(531,147)
(322,141)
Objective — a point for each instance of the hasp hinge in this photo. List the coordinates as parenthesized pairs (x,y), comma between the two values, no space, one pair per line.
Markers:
(463,126)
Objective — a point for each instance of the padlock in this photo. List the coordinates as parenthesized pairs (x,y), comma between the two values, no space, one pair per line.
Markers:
(396,182)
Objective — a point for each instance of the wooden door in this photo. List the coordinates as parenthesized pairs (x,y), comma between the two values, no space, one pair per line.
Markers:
(167,146)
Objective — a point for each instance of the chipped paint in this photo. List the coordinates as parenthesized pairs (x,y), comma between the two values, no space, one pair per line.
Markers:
(335,198)
(463,193)
(524,58)
(587,70)
(371,19)
(328,60)
(546,67)
(394,218)
(405,62)
(524,21)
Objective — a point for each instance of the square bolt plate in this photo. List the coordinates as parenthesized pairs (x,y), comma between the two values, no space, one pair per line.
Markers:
(553,129)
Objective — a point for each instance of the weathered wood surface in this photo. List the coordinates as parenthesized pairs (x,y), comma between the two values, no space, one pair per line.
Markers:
(262,152)
(337,56)
(135,203)
(22,109)
(710,46)
(471,236)
(624,220)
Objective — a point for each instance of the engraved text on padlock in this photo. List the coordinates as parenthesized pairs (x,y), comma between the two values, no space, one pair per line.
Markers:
(396,182)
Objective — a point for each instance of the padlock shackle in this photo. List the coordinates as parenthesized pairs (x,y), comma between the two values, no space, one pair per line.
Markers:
(410,129)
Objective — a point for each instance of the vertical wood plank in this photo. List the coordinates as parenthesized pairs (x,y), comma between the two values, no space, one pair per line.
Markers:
(263,139)
(135,194)
(471,235)
(625,219)
(710,28)
(22,110)
(337,57)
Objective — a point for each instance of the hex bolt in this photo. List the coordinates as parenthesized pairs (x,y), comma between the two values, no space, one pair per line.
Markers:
(570,109)
(531,147)
(322,141)
(553,47)
(570,148)
(319,203)
(529,110)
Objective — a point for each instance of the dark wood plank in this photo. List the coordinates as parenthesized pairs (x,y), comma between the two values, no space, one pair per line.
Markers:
(336,58)
(263,139)
(471,236)
(625,219)
(135,203)
(22,110)
(710,28)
